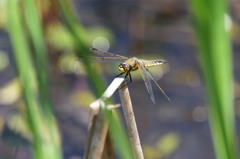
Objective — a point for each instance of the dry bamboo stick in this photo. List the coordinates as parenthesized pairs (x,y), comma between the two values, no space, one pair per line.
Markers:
(98,127)
(94,110)
(130,121)
(108,152)
(112,88)
(99,137)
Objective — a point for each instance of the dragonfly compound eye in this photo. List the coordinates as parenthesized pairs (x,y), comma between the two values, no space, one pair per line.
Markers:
(121,68)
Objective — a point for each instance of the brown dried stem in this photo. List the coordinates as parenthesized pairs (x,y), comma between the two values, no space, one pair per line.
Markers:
(130,121)
(98,126)
(94,110)
(99,136)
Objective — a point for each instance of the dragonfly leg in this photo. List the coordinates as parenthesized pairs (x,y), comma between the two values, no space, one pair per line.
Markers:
(127,74)
(130,77)
(119,74)
(124,84)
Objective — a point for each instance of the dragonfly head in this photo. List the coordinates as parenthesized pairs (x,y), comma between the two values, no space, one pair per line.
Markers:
(123,67)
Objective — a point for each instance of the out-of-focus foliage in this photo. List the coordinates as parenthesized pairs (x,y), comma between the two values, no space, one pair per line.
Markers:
(3,15)
(18,124)
(4,60)
(83,98)
(168,143)
(163,147)
(59,38)
(12,87)
(148,30)
(38,116)
(211,26)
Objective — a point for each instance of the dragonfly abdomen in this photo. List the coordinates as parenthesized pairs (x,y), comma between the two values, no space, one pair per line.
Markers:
(149,63)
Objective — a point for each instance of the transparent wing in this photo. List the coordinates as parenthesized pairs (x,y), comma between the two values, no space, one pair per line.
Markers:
(105,54)
(96,59)
(146,79)
(157,72)
(152,78)
(155,67)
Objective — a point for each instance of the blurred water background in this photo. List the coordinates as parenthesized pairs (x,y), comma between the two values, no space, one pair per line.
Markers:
(145,29)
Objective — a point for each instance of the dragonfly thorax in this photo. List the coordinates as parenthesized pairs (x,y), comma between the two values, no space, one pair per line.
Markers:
(124,67)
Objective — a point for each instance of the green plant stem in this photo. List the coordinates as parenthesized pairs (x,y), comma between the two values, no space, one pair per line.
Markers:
(216,61)
(78,33)
(35,29)
(44,142)
(26,75)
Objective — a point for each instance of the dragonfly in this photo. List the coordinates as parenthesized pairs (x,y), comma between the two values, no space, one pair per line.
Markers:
(132,64)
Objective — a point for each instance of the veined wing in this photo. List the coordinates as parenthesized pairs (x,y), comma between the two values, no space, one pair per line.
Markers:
(102,59)
(151,76)
(147,76)
(106,54)
(146,80)
(103,56)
